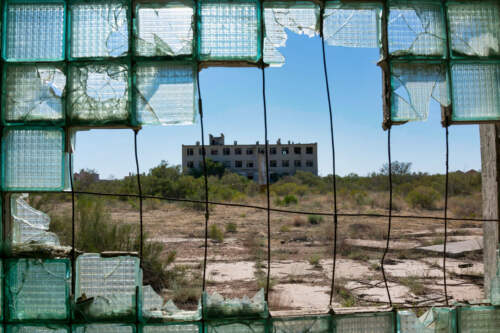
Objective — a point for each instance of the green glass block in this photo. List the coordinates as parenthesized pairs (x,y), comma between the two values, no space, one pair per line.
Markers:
(241,326)
(435,320)
(352,25)
(104,328)
(164,29)
(416,28)
(311,324)
(476,91)
(216,306)
(365,323)
(32,328)
(33,159)
(37,289)
(172,328)
(99,94)
(413,85)
(479,319)
(299,17)
(33,93)
(106,287)
(165,93)
(229,30)
(34,31)
(99,29)
(474,28)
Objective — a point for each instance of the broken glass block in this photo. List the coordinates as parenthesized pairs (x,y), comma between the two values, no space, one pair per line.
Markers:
(312,324)
(216,306)
(474,28)
(37,289)
(299,17)
(99,29)
(106,287)
(172,328)
(229,30)
(34,31)
(37,328)
(413,85)
(98,94)
(365,323)
(155,309)
(476,91)
(33,93)
(435,320)
(165,93)
(416,28)
(228,326)
(33,159)
(104,328)
(164,29)
(352,25)
(479,319)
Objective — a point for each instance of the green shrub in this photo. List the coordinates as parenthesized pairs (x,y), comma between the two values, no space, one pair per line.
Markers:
(314,260)
(231,227)
(290,199)
(314,219)
(423,197)
(216,234)
(284,228)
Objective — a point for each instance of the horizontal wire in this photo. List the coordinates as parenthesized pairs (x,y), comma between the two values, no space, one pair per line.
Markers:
(278,210)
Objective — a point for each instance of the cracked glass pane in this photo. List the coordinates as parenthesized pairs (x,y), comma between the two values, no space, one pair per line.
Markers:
(164,29)
(416,28)
(99,29)
(478,319)
(103,328)
(413,86)
(35,31)
(98,94)
(33,93)
(36,329)
(435,320)
(476,91)
(475,28)
(106,287)
(171,328)
(253,326)
(305,324)
(229,30)
(216,306)
(280,17)
(30,225)
(37,289)
(352,25)
(154,307)
(33,159)
(165,93)
(370,323)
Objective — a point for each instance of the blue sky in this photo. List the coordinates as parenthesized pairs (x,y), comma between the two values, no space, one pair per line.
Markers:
(297,111)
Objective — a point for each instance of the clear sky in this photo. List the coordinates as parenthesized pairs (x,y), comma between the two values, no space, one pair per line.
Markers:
(297,111)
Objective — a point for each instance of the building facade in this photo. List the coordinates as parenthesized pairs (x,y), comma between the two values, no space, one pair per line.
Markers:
(249,159)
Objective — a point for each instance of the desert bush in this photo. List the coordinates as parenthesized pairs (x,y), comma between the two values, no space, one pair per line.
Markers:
(284,228)
(314,219)
(466,206)
(314,260)
(231,227)
(215,234)
(282,188)
(288,200)
(298,221)
(423,197)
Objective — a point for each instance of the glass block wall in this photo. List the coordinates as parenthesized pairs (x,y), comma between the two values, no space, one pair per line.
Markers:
(115,64)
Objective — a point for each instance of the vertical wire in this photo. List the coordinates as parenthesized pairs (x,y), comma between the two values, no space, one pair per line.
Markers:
(73,249)
(141,248)
(332,139)
(446,215)
(390,215)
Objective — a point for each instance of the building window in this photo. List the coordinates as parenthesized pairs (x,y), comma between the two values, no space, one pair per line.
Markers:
(250,176)
(190,152)
(226,151)
(249,151)
(297,150)
(214,152)
(199,151)
(285,163)
(309,150)
(284,151)
(238,164)
(249,164)
(226,164)
(297,163)
(309,163)
(273,164)
(237,151)
(190,164)
(272,150)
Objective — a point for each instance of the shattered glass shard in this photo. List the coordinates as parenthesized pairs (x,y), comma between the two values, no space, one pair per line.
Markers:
(164,29)
(416,28)
(413,85)
(165,93)
(299,17)
(216,306)
(33,93)
(99,29)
